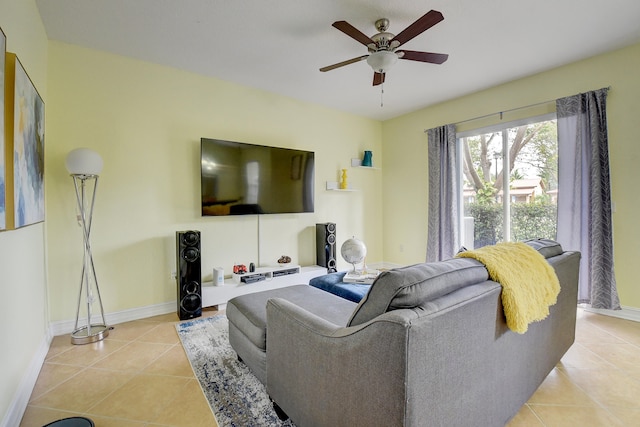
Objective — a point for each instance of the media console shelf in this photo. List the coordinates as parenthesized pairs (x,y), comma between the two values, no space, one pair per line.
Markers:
(262,279)
(266,273)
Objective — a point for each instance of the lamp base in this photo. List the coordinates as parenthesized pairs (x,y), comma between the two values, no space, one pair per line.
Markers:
(83,336)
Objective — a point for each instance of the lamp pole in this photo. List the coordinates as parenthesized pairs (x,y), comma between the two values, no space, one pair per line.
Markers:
(84,165)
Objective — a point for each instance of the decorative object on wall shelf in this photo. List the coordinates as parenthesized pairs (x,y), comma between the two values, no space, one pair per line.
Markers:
(85,165)
(343,180)
(367,159)
(335,186)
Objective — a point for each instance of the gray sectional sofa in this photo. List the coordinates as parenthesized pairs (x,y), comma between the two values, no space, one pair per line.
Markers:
(427,346)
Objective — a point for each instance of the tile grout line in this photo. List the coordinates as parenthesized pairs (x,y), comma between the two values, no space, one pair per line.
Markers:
(596,401)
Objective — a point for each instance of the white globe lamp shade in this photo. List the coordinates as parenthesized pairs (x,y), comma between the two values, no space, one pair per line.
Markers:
(84,161)
(382,61)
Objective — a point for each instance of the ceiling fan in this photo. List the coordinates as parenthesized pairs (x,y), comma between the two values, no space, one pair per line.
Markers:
(382,46)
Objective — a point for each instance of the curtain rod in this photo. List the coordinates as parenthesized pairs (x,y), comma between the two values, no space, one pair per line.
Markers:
(505,111)
(511,110)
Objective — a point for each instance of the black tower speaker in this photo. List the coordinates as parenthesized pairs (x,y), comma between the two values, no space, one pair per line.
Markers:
(326,246)
(188,272)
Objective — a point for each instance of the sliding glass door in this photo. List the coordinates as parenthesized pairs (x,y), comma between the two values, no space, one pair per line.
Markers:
(509,182)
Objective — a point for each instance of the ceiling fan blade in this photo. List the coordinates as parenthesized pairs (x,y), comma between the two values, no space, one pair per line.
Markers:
(378,78)
(433,58)
(427,21)
(353,32)
(343,63)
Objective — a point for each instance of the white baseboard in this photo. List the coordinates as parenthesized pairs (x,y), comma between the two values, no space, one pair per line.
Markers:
(18,405)
(63,327)
(627,313)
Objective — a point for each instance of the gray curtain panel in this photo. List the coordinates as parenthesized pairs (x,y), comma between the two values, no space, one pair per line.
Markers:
(584,194)
(442,236)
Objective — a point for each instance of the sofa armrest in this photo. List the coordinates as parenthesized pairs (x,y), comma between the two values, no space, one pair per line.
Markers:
(320,373)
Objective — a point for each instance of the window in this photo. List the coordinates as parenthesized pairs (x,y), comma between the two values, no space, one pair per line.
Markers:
(509,176)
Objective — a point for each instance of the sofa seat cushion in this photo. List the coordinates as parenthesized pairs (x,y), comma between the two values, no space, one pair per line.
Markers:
(333,283)
(248,313)
(416,285)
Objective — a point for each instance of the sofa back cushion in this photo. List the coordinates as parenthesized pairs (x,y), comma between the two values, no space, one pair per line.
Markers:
(415,285)
(412,286)
(547,248)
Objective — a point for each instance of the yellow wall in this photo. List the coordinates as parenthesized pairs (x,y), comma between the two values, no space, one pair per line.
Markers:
(405,154)
(147,121)
(23,295)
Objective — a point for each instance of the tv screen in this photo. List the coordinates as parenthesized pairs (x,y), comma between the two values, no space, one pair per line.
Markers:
(242,179)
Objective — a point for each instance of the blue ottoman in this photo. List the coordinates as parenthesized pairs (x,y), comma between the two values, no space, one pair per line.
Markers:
(333,283)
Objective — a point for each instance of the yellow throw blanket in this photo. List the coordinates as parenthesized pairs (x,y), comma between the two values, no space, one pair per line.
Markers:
(529,283)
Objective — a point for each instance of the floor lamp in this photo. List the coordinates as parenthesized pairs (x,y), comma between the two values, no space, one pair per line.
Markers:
(85,165)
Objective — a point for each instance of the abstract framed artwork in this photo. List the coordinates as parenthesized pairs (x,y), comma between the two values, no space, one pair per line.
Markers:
(28,150)
(3,202)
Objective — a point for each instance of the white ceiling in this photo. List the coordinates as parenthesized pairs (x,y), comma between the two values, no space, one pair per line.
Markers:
(279,45)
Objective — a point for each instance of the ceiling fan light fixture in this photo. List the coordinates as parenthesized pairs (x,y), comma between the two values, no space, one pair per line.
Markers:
(382,61)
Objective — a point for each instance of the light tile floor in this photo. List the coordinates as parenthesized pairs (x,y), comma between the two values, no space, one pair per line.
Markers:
(597,382)
(139,376)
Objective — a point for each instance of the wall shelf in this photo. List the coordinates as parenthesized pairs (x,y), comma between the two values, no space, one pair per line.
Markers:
(335,186)
(357,163)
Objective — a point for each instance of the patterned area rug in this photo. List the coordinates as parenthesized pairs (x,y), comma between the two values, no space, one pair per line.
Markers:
(235,395)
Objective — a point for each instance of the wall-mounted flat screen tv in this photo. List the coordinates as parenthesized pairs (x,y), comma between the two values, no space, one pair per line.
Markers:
(244,179)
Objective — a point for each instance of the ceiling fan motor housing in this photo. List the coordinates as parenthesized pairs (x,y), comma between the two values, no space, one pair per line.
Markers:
(382,40)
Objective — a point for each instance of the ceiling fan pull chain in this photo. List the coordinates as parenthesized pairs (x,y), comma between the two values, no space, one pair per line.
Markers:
(382,95)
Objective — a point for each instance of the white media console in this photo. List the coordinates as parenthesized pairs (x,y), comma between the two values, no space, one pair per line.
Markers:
(263,279)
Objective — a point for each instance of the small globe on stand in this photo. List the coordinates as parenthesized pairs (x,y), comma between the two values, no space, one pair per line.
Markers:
(353,251)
